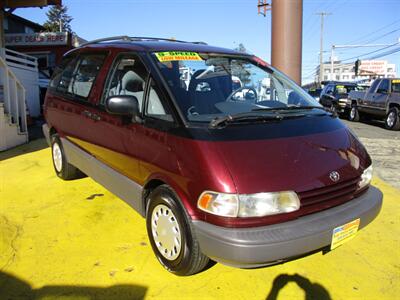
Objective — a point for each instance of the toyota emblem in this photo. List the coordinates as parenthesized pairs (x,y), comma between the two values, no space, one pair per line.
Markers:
(334,176)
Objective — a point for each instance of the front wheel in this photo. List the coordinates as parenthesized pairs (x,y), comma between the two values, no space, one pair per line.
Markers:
(392,120)
(354,115)
(171,234)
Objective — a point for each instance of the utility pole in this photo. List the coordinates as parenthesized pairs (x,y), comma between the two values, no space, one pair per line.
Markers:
(321,45)
(287,30)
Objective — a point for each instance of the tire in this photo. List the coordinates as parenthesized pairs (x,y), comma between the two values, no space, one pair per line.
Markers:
(171,234)
(63,169)
(392,119)
(354,115)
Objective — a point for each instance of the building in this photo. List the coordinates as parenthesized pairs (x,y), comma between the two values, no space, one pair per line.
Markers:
(26,37)
(368,70)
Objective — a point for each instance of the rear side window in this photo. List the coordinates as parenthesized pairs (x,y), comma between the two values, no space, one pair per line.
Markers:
(76,76)
(396,86)
(63,71)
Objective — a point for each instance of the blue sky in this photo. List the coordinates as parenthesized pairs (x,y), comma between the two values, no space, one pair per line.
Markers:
(227,23)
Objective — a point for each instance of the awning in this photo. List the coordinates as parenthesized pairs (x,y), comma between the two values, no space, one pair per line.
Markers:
(12,4)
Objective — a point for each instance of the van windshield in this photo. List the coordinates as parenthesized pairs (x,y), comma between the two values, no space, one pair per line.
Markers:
(208,86)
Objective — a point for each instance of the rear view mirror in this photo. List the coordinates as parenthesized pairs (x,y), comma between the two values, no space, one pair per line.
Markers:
(123,105)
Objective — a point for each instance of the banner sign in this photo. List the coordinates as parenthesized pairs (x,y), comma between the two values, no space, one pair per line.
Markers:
(36,39)
(373,67)
(177,55)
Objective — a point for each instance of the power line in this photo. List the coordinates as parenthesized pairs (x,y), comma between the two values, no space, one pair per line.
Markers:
(386,34)
(368,53)
(371,33)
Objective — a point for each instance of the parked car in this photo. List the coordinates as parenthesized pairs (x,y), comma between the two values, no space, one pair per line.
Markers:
(244,181)
(44,81)
(335,95)
(380,101)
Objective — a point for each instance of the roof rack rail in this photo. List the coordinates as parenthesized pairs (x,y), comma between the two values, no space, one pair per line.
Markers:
(111,38)
(131,39)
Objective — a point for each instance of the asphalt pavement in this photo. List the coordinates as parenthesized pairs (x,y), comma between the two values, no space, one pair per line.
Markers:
(384,148)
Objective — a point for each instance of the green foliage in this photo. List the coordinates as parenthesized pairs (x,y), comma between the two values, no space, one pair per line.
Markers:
(241,69)
(57,14)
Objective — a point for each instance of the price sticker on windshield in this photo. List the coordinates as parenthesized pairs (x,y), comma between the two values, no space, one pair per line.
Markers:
(396,81)
(177,56)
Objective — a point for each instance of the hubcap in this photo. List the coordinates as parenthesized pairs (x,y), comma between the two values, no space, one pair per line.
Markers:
(352,112)
(391,118)
(57,157)
(166,232)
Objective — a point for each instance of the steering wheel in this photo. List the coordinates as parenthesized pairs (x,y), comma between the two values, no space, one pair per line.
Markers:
(250,90)
(192,111)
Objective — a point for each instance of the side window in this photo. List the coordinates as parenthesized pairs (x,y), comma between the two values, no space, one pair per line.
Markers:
(384,86)
(155,107)
(85,74)
(329,89)
(62,74)
(127,78)
(373,86)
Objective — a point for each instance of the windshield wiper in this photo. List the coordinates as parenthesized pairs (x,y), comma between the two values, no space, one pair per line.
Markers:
(295,108)
(243,117)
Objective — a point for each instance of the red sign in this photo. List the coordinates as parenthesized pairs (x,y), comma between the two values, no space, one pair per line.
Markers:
(36,39)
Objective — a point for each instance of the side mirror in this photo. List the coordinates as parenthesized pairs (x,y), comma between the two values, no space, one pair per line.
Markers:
(123,105)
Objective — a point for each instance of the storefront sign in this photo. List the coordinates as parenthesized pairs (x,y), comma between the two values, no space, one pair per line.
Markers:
(36,39)
(373,67)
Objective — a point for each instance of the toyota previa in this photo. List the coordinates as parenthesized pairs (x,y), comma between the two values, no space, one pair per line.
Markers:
(225,157)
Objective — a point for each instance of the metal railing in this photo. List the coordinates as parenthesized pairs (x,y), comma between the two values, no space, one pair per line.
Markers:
(12,95)
(19,60)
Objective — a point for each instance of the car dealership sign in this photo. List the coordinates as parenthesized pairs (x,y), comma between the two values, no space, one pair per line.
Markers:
(369,67)
(36,39)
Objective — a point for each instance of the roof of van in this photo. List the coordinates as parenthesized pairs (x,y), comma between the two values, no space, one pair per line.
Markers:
(154,45)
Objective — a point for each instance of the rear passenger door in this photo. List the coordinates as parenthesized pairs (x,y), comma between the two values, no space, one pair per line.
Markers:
(113,139)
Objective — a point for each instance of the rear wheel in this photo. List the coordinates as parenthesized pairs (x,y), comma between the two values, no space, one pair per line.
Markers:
(61,165)
(354,115)
(392,120)
(171,234)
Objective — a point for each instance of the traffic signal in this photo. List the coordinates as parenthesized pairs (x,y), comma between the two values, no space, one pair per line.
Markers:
(357,66)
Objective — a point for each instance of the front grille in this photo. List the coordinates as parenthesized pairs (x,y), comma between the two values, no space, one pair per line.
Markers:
(328,196)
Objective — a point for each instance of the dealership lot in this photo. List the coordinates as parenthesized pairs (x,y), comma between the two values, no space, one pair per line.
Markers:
(383,146)
(75,240)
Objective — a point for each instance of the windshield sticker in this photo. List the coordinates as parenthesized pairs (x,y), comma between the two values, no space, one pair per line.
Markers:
(340,86)
(396,81)
(177,55)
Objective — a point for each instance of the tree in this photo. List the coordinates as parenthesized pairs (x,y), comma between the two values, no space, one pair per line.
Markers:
(58,19)
(242,69)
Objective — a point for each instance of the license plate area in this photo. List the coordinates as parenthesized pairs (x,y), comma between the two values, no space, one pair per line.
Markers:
(344,233)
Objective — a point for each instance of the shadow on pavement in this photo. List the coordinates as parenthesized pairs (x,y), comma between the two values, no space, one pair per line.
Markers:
(313,291)
(33,146)
(12,287)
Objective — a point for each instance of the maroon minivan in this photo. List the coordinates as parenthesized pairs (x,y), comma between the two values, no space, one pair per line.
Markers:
(225,157)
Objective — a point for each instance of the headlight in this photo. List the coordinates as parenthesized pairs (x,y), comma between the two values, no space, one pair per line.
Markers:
(366,177)
(253,205)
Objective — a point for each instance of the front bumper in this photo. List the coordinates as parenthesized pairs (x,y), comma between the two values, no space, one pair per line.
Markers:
(259,246)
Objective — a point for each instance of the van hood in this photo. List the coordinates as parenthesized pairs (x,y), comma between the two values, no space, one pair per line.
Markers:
(301,162)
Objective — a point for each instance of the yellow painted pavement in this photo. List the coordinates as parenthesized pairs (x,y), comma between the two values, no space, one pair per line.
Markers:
(75,240)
